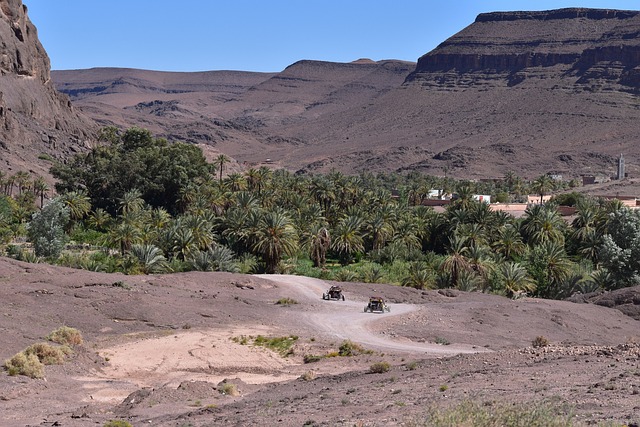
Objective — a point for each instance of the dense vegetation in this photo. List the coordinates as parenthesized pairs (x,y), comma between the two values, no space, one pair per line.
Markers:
(141,205)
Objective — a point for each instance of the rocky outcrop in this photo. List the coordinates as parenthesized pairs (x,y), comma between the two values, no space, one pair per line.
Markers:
(588,48)
(34,118)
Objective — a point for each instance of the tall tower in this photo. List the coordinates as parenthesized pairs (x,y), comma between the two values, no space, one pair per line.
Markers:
(621,167)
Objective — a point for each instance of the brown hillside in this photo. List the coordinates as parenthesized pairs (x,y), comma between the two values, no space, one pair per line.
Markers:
(533,92)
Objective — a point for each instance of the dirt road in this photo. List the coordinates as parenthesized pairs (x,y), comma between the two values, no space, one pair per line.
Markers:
(347,320)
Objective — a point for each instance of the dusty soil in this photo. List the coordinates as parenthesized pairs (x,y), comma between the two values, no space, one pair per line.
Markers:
(158,350)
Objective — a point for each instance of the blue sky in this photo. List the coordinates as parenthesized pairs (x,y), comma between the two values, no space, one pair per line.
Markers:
(256,35)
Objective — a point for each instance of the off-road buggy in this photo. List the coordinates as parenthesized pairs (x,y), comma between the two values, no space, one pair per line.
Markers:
(334,293)
(376,304)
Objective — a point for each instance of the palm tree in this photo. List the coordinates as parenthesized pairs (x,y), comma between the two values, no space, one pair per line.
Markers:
(99,219)
(509,242)
(22,179)
(220,161)
(78,203)
(218,258)
(41,188)
(124,235)
(543,223)
(150,258)
(319,244)
(515,279)
(347,238)
(456,260)
(131,201)
(275,238)
(542,185)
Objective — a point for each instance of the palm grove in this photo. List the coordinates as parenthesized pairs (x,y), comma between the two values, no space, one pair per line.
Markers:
(141,205)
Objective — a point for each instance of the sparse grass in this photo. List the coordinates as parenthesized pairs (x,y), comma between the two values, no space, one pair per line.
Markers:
(229,389)
(286,301)
(66,336)
(412,366)
(379,367)
(242,340)
(540,341)
(281,345)
(117,423)
(311,358)
(349,348)
(443,388)
(495,415)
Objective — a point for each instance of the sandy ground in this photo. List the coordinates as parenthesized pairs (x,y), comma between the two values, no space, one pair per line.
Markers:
(158,349)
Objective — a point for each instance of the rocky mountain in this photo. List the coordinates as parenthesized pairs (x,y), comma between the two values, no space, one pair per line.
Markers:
(534,92)
(36,121)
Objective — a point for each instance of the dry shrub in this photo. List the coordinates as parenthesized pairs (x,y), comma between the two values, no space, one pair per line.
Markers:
(379,367)
(25,364)
(229,389)
(308,376)
(47,354)
(540,341)
(66,336)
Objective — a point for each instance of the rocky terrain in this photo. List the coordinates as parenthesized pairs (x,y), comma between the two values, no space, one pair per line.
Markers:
(176,350)
(35,119)
(534,92)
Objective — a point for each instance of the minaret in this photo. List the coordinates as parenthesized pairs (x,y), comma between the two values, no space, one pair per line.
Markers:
(621,167)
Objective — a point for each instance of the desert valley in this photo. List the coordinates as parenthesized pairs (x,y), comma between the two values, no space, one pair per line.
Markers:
(169,240)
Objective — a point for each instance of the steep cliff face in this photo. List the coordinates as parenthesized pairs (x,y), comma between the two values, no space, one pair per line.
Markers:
(588,49)
(34,118)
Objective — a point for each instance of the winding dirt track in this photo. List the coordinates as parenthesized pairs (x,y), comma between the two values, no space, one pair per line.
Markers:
(347,320)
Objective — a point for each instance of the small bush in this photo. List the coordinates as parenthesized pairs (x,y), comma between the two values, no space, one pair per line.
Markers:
(25,364)
(286,301)
(308,376)
(281,345)
(228,389)
(66,336)
(379,367)
(349,348)
(540,341)
(412,366)
(443,388)
(442,341)
(311,358)
(117,423)
(46,354)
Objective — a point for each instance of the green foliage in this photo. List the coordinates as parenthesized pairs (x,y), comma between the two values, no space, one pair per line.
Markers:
(286,301)
(620,249)
(46,229)
(281,345)
(159,170)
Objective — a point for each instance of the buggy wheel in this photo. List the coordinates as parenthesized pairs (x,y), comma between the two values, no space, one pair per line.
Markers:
(342,297)
(324,296)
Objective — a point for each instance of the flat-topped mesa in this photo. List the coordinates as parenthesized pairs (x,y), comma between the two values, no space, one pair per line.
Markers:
(567,13)
(583,45)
